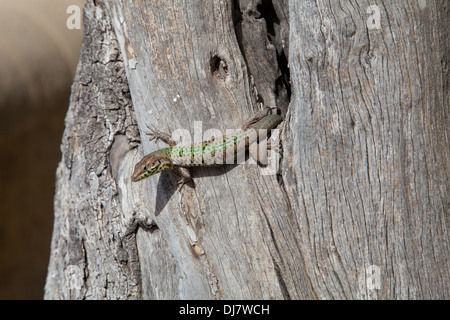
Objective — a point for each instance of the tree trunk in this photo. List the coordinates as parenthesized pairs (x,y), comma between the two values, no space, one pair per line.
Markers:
(359,206)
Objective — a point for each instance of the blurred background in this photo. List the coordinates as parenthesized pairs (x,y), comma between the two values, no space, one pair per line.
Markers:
(39,46)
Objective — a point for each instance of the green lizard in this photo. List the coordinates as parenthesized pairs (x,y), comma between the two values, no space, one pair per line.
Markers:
(180,158)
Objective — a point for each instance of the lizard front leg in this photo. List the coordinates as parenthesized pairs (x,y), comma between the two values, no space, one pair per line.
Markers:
(184,174)
(155,134)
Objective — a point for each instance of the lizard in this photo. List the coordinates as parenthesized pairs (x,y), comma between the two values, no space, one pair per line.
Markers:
(180,158)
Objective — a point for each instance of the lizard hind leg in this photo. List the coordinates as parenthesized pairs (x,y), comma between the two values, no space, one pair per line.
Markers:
(258,116)
(259,151)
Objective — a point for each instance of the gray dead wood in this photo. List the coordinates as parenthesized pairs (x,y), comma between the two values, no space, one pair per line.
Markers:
(359,208)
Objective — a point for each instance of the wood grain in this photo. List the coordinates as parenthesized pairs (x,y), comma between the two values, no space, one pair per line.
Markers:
(359,208)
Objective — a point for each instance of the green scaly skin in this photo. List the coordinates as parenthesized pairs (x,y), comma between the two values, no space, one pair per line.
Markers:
(205,153)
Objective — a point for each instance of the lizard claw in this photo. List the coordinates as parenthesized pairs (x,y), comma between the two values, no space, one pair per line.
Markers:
(153,134)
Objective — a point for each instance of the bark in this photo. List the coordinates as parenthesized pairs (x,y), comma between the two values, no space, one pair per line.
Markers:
(358,209)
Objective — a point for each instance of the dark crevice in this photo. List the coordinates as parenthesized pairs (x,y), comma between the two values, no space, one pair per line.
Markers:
(218,67)
(285,79)
(237,23)
(278,273)
(283,287)
(267,12)
(282,83)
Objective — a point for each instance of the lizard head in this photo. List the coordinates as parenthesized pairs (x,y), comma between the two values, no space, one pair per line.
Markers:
(151,164)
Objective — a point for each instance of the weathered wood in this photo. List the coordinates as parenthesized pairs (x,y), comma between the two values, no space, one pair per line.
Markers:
(87,259)
(361,194)
(189,56)
(366,154)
